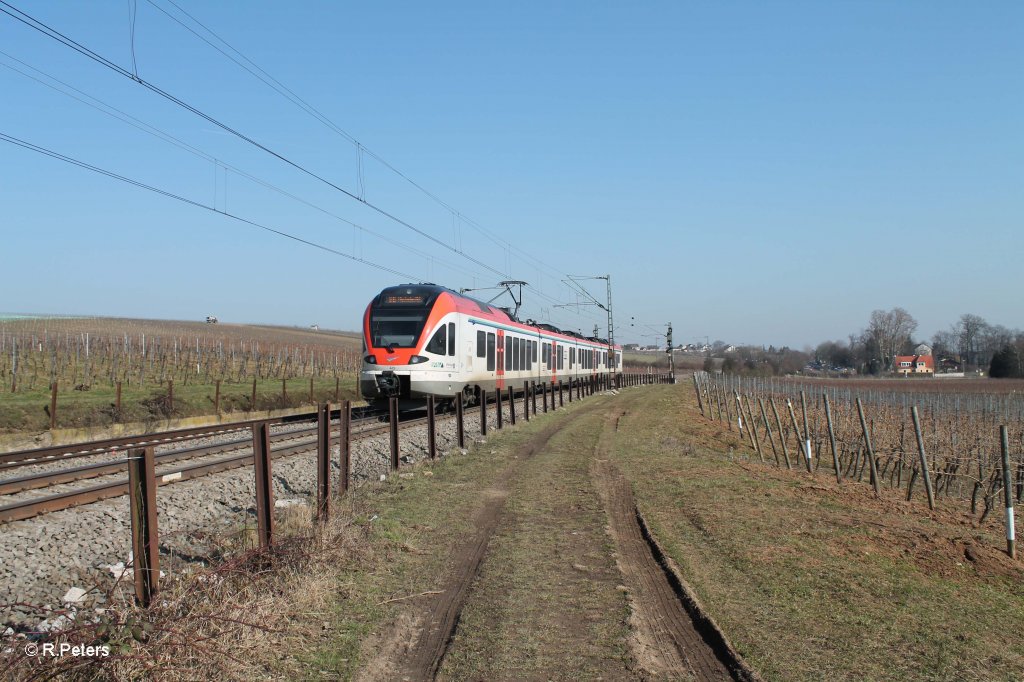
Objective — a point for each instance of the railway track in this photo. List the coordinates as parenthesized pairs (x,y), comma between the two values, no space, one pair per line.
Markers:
(92,460)
(174,464)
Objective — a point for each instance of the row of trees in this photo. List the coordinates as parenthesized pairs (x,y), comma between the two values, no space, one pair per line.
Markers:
(972,343)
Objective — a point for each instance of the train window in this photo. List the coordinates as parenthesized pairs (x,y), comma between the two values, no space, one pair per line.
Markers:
(522,353)
(561,359)
(516,347)
(531,354)
(439,344)
(490,352)
(396,328)
(544,354)
(572,356)
(508,353)
(481,344)
(451,339)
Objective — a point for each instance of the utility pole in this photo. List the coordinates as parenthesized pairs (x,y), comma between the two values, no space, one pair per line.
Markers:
(607,307)
(611,328)
(671,355)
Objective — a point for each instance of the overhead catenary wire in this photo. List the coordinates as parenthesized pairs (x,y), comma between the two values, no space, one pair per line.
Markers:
(52,33)
(270,81)
(192,202)
(112,111)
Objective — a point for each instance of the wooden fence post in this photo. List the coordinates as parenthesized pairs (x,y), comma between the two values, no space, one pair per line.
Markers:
(924,460)
(344,444)
(264,483)
(782,437)
(799,437)
(1007,493)
(431,428)
(498,411)
(483,412)
(393,424)
(323,462)
(53,405)
(832,439)
(768,430)
(460,424)
(870,451)
(807,430)
(753,430)
(145,538)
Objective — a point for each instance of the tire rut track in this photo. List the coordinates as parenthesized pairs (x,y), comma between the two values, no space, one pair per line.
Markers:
(673,638)
(440,616)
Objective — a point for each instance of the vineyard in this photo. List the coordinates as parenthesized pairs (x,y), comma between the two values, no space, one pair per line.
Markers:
(953,448)
(100,371)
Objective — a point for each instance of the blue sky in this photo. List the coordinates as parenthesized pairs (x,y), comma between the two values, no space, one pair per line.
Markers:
(754,172)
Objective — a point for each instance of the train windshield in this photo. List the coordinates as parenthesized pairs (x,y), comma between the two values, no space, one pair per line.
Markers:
(396,328)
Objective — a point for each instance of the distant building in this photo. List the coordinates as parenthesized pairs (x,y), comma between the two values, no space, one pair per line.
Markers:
(923,349)
(914,364)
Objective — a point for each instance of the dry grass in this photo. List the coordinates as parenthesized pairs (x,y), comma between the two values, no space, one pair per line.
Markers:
(812,580)
(246,618)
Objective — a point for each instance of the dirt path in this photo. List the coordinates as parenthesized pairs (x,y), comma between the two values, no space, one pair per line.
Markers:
(557,581)
(443,610)
(419,637)
(666,640)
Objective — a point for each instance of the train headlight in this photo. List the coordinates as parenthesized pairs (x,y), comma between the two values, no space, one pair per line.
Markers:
(417,359)
(370,359)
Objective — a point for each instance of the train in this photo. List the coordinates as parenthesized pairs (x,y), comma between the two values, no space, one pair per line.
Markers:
(422,340)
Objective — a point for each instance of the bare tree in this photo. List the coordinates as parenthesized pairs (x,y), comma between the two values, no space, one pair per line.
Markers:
(889,331)
(944,344)
(969,331)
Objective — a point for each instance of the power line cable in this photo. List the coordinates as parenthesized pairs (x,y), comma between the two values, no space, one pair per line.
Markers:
(279,87)
(192,202)
(50,32)
(114,112)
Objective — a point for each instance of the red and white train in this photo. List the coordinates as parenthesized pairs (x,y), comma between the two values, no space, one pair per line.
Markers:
(424,339)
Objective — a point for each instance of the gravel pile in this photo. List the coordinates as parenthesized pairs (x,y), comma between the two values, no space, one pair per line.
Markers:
(87,546)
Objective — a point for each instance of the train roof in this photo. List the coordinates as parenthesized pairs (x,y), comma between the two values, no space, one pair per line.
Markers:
(424,295)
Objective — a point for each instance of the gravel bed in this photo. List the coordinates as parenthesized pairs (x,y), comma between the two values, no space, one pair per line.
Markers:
(42,558)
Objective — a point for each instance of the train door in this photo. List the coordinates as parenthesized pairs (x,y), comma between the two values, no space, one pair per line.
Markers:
(501,360)
(553,363)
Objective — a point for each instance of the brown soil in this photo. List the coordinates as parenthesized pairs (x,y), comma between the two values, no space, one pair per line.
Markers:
(417,641)
(667,641)
(670,636)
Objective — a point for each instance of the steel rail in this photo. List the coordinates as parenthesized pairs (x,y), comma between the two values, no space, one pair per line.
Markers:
(90,448)
(26,509)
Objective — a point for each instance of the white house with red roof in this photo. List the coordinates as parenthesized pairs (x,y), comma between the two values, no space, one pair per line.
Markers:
(914,364)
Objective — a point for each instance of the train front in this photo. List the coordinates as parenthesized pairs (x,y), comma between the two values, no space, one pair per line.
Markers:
(393,327)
